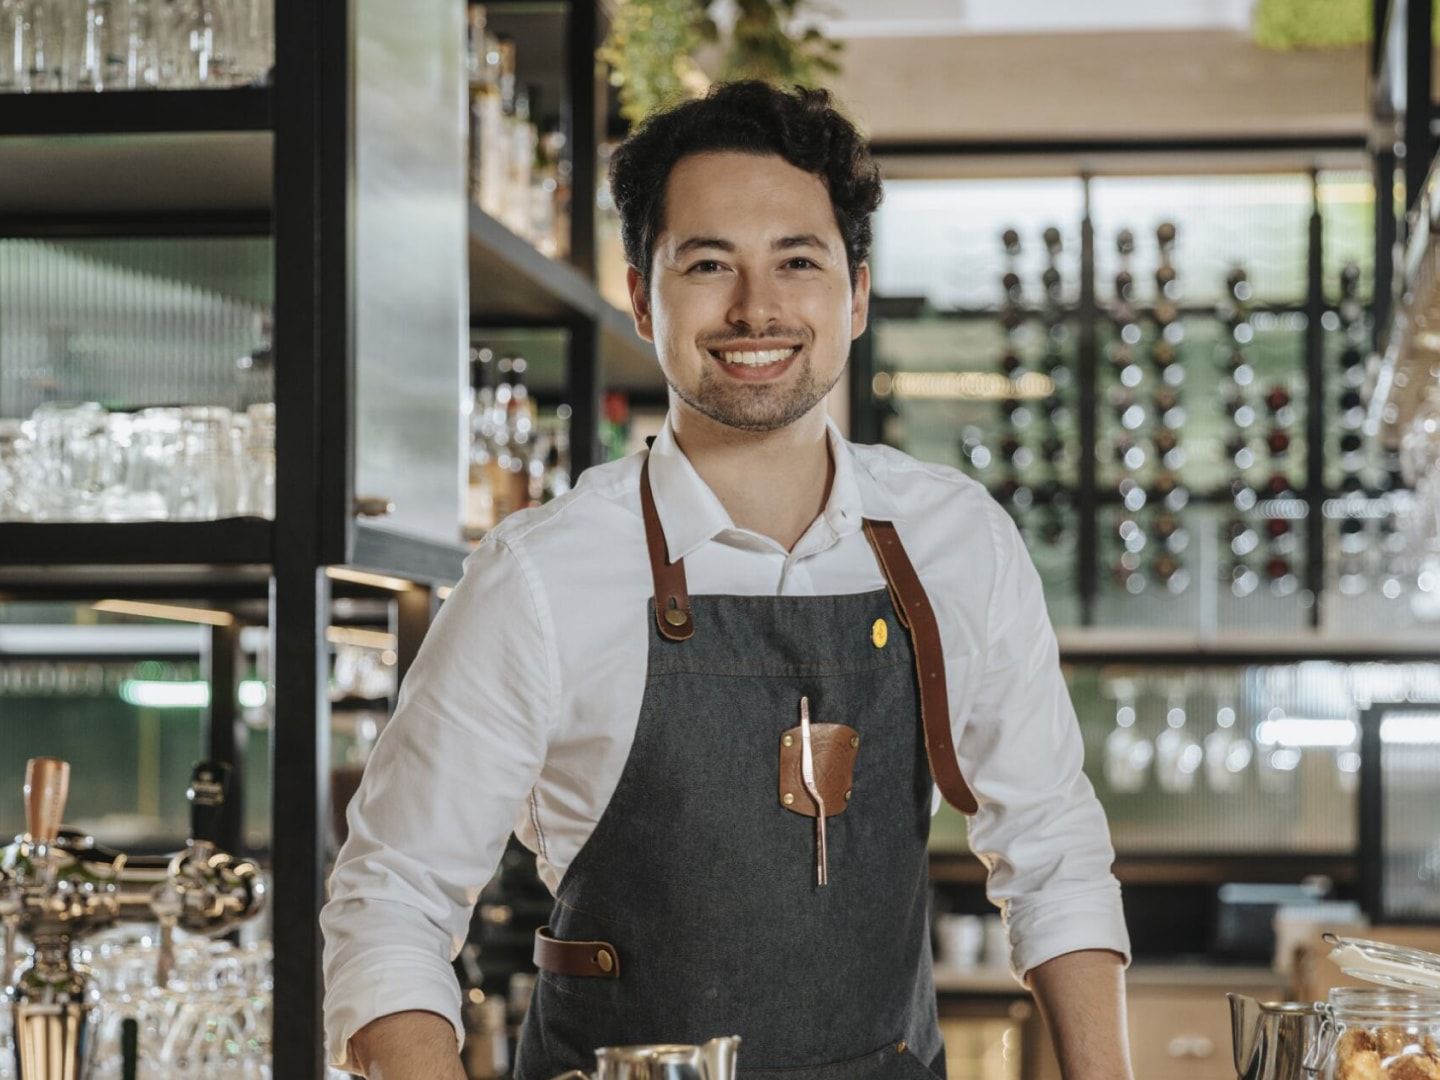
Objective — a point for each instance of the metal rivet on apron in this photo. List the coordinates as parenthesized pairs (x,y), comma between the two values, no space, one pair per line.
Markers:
(900,1047)
(854,740)
(788,740)
(602,958)
(880,633)
(847,796)
(676,617)
(789,798)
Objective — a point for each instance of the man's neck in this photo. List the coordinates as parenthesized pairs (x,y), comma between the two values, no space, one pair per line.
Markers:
(770,482)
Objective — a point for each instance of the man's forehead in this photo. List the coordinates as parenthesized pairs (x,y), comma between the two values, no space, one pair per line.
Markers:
(746,200)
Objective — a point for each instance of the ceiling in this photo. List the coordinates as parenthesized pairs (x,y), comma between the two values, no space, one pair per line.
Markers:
(1151,84)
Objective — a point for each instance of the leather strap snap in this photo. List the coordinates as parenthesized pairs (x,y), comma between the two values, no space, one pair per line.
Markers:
(587,959)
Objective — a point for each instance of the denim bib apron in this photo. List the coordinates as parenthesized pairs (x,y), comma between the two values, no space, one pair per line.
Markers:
(693,910)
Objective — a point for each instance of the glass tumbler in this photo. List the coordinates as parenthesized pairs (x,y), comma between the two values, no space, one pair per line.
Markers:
(72,460)
(207,477)
(15,463)
(258,495)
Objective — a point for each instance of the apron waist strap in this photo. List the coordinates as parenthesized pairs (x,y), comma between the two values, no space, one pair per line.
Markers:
(592,959)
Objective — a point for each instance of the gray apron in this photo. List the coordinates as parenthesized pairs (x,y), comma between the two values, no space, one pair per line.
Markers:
(696,892)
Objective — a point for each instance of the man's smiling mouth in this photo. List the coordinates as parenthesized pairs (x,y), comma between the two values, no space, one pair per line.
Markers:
(754,357)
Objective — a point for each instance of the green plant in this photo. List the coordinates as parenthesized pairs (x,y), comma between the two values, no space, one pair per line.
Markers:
(1308,24)
(652,45)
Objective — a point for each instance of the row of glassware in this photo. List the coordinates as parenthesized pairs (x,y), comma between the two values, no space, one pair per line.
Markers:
(90,45)
(211,1018)
(83,462)
(1222,730)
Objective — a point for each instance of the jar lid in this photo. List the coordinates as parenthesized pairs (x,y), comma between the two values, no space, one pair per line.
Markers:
(1385,964)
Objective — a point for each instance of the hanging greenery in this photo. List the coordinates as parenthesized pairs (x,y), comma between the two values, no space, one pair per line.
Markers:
(1311,24)
(652,44)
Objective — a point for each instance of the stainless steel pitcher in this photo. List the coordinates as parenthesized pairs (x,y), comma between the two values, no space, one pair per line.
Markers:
(713,1061)
(1273,1038)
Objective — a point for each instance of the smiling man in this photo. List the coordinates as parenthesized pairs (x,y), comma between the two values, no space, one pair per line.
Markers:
(719,687)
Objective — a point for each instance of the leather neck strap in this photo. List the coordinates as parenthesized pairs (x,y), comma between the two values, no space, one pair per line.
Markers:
(672,600)
(675,622)
(914,610)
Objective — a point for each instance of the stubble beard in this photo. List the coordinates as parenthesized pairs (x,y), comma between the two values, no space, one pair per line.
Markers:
(756,406)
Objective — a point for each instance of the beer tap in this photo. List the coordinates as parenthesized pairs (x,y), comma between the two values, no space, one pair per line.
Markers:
(58,885)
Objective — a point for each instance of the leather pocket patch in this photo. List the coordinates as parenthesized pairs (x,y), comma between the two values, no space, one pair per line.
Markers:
(834,747)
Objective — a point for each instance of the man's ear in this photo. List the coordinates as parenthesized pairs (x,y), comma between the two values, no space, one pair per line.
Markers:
(640,304)
(860,301)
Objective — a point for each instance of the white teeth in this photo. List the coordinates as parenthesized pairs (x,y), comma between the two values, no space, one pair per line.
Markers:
(755,359)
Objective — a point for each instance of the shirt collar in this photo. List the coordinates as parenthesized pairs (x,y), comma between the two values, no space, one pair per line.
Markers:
(692,515)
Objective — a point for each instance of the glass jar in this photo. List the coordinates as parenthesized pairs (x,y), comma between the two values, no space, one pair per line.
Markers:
(1390,1031)
(1380,1034)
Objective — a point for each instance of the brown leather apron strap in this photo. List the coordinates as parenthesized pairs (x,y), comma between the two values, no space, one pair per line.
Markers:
(672,599)
(590,959)
(916,613)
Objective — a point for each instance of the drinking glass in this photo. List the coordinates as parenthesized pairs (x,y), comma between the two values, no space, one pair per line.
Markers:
(16,486)
(72,462)
(258,466)
(207,469)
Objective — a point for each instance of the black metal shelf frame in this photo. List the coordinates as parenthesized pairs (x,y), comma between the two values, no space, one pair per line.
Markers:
(306,121)
(1370,836)
(133,112)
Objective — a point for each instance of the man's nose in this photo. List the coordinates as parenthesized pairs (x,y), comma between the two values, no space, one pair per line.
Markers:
(755,304)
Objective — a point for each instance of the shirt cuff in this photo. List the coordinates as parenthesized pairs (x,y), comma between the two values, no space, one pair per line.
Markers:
(382,987)
(1065,921)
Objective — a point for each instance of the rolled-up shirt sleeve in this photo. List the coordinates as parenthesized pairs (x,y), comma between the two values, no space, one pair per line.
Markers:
(449,778)
(1039,830)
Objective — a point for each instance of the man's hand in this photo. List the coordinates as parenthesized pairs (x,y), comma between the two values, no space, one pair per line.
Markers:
(411,1045)
(1082,998)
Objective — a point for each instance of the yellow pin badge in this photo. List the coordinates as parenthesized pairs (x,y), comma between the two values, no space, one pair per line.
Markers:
(880,633)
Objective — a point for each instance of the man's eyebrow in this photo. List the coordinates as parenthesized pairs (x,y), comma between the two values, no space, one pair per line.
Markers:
(783,243)
(694,243)
(798,240)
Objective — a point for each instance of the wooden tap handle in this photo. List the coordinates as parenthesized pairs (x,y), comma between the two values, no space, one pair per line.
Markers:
(47,786)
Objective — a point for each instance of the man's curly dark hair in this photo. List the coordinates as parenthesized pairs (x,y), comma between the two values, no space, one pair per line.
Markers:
(801,126)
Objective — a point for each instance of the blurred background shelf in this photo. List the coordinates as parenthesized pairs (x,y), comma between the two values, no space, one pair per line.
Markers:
(121,112)
(225,543)
(379,550)
(1102,645)
(172,161)
(512,284)
(165,182)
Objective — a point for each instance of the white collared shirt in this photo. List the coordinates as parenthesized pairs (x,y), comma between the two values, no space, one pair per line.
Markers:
(519,711)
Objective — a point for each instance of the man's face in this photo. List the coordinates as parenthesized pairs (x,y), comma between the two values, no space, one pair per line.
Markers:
(750,305)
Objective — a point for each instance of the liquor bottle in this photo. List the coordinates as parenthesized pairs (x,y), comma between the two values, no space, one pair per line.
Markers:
(488,143)
(475,77)
(479,490)
(1278,486)
(1010,283)
(523,139)
(550,195)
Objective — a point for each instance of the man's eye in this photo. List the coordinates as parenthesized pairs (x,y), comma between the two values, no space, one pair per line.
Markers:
(705,266)
(802,263)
